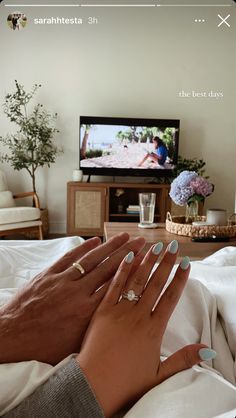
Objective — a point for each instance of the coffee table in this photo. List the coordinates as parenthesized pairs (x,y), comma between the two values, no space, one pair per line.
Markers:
(195,250)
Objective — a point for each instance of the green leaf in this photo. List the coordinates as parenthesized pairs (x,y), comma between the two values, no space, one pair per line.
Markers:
(195,197)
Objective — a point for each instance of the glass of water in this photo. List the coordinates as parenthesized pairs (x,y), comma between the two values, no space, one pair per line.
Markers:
(147,208)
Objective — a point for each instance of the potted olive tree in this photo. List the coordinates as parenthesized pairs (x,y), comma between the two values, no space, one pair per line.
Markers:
(32,145)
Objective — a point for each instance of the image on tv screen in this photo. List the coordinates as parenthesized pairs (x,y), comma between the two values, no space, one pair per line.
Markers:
(116,146)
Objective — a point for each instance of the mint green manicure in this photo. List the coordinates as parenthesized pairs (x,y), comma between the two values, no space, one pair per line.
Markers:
(207,354)
(129,258)
(185,263)
(157,249)
(173,247)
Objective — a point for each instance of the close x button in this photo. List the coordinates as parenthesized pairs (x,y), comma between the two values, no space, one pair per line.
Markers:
(224,21)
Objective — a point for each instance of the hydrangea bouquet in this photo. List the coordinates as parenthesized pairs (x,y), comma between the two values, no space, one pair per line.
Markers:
(189,187)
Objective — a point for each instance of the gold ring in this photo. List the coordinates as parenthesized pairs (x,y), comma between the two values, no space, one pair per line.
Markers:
(78,267)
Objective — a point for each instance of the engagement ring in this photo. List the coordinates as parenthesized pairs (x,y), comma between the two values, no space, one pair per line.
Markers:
(130,295)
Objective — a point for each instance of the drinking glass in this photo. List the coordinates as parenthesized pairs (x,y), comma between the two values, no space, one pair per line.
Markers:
(147,208)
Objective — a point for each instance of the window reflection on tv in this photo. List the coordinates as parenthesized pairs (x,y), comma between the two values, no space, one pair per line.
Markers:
(128,147)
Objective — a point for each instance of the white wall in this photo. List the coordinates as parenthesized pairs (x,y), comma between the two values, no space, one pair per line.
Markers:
(133,63)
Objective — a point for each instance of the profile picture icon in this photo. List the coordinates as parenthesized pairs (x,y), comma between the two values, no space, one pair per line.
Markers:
(17,20)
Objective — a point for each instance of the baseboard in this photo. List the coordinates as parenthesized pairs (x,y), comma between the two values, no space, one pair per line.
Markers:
(57,228)
(54,236)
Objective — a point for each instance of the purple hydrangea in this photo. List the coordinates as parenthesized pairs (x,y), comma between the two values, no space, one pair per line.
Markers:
(201,186)
(187,184)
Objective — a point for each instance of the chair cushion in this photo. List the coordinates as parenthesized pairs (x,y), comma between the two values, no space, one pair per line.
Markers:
(18,214)
(20,225)
(6,200)
(3,181)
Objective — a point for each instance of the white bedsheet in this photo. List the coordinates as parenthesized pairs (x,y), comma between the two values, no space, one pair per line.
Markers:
(206,313)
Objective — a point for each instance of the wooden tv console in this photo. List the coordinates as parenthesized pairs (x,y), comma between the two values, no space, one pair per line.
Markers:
(89,205)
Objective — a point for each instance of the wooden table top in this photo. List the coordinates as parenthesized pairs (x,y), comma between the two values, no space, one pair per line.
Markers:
(195,250)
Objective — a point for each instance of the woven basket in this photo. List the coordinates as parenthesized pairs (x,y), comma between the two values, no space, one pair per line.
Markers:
(177,225)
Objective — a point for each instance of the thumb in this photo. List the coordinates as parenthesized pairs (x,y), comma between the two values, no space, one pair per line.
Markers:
(184,359)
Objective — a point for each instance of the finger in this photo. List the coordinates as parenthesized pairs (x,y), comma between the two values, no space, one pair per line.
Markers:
(100,293)
(117,284)
(98,296)
(184,359)
(171,296)
(136,263)
(159,277)
(138,280)
(71,256)
(108,268)
(94,257)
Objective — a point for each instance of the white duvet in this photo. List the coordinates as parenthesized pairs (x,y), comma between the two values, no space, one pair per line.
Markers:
(206,313)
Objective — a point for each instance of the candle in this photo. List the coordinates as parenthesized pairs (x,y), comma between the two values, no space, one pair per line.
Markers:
(77,175)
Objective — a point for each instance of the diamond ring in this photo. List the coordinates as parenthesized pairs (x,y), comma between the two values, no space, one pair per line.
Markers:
(130,295)
(78,267)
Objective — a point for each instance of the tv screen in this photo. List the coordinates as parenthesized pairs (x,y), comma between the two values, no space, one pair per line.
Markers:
(128,147)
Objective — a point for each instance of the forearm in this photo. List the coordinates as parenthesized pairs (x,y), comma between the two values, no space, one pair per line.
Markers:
(65,394)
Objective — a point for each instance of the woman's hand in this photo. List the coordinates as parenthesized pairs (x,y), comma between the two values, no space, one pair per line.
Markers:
(120,355)
(47,319)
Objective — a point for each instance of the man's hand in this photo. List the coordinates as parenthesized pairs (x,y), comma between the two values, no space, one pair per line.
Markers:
(47,319)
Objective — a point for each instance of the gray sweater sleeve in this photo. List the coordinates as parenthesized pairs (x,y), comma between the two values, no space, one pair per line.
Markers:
(66,394)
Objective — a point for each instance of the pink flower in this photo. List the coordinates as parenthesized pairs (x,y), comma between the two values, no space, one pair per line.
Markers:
(201,186)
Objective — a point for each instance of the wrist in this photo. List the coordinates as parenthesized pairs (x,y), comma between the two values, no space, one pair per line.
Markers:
(103,388)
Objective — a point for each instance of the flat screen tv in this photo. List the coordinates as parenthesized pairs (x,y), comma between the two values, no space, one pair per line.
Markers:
(128,147)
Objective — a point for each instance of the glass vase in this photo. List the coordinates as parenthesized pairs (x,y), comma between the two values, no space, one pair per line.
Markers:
(191,214)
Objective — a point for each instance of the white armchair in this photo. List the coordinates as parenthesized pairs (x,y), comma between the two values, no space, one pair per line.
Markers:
(18,219)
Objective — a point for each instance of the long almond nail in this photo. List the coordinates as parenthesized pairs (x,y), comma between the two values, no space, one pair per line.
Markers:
(207,354)
(157,249)
(129,258)
(173,247)
(185,263)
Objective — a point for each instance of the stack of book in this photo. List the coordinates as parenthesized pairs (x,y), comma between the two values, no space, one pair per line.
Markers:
(133,209)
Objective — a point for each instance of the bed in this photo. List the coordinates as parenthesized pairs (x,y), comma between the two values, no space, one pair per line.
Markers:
(206,313)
